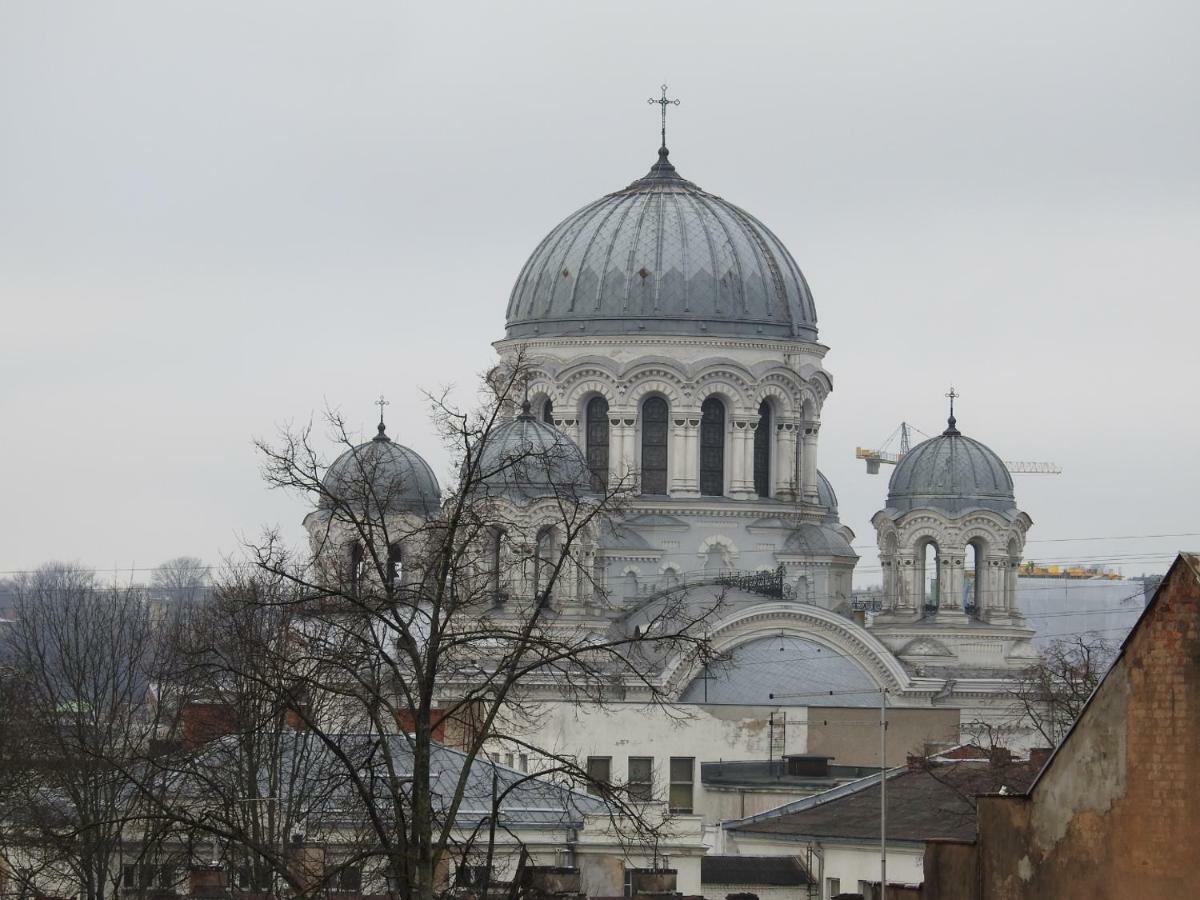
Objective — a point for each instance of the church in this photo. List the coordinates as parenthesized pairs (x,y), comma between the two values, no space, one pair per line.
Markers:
(673,353)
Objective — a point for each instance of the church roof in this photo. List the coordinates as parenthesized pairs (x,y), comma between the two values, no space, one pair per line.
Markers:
(827,498)
(783,670)
(525,457)
(818,540)
(384,475)
(951,473)
(661,257)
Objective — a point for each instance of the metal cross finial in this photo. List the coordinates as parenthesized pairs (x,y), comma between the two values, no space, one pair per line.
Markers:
(663,102)
(381,403)
(952,423)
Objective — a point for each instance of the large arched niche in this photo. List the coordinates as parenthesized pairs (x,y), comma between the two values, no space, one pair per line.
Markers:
(833,633)
(798,671)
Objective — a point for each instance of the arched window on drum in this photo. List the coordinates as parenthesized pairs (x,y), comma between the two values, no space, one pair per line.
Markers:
(596,441)
(655,415)
(762,450)
(712,447)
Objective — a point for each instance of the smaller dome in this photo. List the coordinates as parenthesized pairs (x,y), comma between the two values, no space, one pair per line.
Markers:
(528,458)
(951,473)
(385,475)
(811,539)
(827,498)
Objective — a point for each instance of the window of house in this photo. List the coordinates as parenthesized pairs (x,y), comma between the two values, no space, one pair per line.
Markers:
(509,759)
(683,783)
(833,887)
(349,880)
(640,782)
(523,762)
(599,771)
(548,413)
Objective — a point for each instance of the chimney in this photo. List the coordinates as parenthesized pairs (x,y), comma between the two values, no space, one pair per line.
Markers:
(916,763)
(859,616)
(1000,756)
(1038,756)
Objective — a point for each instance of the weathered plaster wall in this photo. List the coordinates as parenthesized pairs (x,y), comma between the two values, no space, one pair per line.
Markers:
(851,736)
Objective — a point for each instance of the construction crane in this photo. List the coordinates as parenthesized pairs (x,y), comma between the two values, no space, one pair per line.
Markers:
(883,456)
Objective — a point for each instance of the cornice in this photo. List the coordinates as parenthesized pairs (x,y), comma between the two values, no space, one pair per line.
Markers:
(810,348)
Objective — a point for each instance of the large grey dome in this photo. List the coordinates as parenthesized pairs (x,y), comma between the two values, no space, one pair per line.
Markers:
(527,458)
(661,257)
(952,473)
(384,475)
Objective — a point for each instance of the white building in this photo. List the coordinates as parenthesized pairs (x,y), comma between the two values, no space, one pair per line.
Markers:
(672,346)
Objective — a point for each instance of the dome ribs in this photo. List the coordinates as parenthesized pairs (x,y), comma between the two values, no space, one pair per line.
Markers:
(712,253)
(633,246)
(613,207)
(740,282)
(563,231)
(661,257)
(683,251)
(627,202)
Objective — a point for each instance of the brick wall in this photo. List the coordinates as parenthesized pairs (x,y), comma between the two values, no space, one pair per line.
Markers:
(1116,813)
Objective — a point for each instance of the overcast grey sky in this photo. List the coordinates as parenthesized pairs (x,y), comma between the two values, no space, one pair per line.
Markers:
(219,216)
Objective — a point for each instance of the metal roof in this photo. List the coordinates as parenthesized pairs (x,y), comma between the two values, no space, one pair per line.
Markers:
(661,257)
(953,473)
(525,457)
(383,474)
(930,802)
(783,666)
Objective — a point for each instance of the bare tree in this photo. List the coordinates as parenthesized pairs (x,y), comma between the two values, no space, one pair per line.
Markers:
(408,627)
(183,578)
(1051,694)
(80,659)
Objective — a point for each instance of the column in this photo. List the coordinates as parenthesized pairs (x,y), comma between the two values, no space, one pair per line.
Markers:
(808,462)
(629,454)
(950,583)
(784,458)
(691,458)
(908,596)
(741,470)
(620,452)
(678,485)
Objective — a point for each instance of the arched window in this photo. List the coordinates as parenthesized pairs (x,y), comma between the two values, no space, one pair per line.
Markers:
(493,564)
(356,565)
(548,412)
(931,581)
(597,442)
(654,446)
(762,451)
(395,565)
(976,585)
(712,447)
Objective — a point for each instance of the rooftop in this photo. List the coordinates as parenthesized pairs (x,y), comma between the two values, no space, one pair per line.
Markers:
(924,802)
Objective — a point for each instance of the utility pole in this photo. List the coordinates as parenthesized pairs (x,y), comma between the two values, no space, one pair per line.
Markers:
(883,794)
